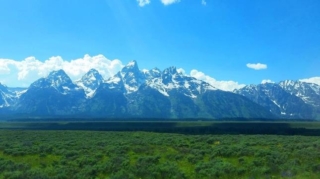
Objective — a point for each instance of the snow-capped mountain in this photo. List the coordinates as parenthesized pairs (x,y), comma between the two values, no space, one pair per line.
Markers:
(7,97)
(170,79)
(308,92)
(90,82)
(55,94)
(133,93)
(288,99)
(158,94)
(57,80)
(130,77)
(164,82)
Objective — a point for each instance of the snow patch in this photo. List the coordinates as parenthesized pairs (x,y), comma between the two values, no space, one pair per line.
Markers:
(191,96)
(131,64)
(276,103)
(66,88)
(115,80)
(92,78)
(145,71)
(186,84)
(19,93)
(130,89)
(90,94)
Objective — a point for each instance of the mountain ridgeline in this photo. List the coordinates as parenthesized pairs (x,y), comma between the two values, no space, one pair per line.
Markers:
(135,93)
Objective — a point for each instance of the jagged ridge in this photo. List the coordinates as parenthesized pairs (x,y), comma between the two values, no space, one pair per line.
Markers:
(159,94)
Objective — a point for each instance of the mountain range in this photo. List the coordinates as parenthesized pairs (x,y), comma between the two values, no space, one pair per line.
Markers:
(135,93)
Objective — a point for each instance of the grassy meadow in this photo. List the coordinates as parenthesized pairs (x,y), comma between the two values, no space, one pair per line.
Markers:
(119,155)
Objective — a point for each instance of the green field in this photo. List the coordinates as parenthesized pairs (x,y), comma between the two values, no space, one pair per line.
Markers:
(108,154)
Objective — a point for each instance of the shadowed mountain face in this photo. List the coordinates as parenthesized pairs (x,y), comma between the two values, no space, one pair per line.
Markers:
(4,96)
(308,92)
(90,82)
(53,95)
(157,94)
(287,99)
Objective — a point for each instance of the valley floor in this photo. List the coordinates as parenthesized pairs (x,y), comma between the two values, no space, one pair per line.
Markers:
(104,154)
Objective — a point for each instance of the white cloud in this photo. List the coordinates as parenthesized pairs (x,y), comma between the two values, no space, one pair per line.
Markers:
(266,81)
(257,66)
(143,2)
(23,73)
(315,80)
(181,70)
(168,2)
(203,2)
(222,85)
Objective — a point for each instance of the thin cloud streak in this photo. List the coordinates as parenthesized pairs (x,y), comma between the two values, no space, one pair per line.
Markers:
(168,2)
(142,3)
(257,66)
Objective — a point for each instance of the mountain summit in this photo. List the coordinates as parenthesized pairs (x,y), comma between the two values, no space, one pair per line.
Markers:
(57,80)
(135,93)
(90,82)
(55,94)
(131,76)
(287,99)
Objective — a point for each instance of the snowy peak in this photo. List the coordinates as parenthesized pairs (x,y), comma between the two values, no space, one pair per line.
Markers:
(7,98)
(92,75)
(267,94)
(142,92)
(294,86)
(58,73)
(90,82)
(132,77)
(153,73)
(308,92)
(282,99)
(132,63)
(287,83)
(170,71)
(170,75)
(170,80)
(58,80)
(130,70)
(132,66)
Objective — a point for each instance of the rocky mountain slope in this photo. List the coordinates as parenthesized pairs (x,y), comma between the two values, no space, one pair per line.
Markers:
(132,93)
(286,99)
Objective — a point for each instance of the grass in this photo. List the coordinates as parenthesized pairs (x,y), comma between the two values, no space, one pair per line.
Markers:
(105,154)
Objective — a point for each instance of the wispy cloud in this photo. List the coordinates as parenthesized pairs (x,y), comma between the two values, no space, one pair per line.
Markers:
(266,81)
(143,2)
(15,73)
(315,80)
(204,2)
(257,66)
(222,85)
(181,70)
(168,2)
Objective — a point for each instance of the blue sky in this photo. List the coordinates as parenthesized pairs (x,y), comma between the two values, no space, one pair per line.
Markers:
(218,38)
